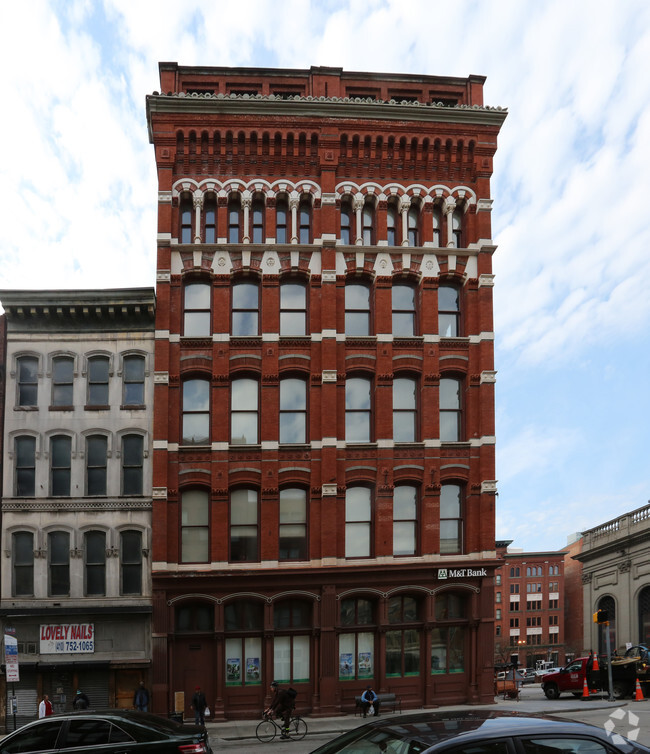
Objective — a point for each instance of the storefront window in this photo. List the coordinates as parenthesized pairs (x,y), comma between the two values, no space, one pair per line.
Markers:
(243,654)
(448,650)
(356,656)
(402,653)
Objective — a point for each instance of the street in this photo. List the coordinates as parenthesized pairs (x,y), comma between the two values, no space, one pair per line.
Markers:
(625,716)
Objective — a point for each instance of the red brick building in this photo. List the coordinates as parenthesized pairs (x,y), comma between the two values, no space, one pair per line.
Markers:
(324,415)
(529,597)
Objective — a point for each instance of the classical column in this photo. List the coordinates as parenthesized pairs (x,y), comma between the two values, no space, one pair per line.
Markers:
(198,204)
(404,206)
(294,202)
(246,205)
(450,206)
(358,214)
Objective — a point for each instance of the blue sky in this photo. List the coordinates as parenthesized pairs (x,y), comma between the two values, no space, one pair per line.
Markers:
(570,190)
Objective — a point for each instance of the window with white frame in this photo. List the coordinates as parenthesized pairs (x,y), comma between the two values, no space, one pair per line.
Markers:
(450,409)
(405,509)
(98,377)
(293,410)
(27,374)
(293,308)
(357,409)
(404,409)
(196,412)
(451,519)
(133,373)
(196,310)
(403,305)
(25,473)
(62,381)
(358,522)
(195,526)
(244,411)
(357,309)
(293,544)
(244,525)
(245,309)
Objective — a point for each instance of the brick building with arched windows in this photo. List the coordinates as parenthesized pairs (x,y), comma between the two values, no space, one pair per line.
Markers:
(324,389)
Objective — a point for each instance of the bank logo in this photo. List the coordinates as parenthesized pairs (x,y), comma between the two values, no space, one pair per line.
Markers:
(617,720)
(442,573)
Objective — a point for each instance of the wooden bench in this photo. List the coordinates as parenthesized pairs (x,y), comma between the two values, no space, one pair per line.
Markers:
(389,701)
(508,687)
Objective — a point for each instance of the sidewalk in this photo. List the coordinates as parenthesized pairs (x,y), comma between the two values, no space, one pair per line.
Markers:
(531,700)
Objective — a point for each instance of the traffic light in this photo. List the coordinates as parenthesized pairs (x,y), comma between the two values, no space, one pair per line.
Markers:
(601,616)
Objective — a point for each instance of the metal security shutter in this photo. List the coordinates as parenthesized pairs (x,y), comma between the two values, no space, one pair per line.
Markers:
(94,683)
(26,697)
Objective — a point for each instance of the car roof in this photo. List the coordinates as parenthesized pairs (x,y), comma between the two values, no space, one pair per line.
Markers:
(434,729)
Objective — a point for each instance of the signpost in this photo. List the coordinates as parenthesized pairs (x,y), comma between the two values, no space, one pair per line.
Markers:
(11,665)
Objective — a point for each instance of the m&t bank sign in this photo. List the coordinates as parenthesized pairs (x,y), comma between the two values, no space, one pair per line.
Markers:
(461,573)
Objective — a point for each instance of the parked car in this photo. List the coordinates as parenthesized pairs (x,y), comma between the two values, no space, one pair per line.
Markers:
(109,732)
(471,731)
(539,674)
(528,675)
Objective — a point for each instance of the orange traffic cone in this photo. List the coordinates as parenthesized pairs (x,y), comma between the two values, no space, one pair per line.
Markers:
(595,666)
(638,694)
(585,689)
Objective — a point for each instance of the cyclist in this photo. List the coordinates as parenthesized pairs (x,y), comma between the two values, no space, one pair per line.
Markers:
(282,706)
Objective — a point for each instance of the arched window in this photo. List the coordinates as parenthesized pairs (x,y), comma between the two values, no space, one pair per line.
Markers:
(293,410)
(357,309)
(457,228)
(368,223)
(27,381)
(25,472)
(257,220)
(403,304)
(244,526)
(96,460)
(448,311)
(95,563)
(450,409)
(437,225)
(304,221)
(245,309)
(22,551)
(195,526)
(404,409)
(132,464)
(346,222)
(133,374)
(281,220)
(403,640)
(196,310)
(234,219)
(244,411)
(293,543)
(98,374)
(210,219)
(358,522)
(185,213)
(58,553)
(196,412)
(358,409)
(62,381)
(130,562)
(451,519)
(609,605)
(405,520)
(293,308)
(60,465)
(392,224)
(413,221)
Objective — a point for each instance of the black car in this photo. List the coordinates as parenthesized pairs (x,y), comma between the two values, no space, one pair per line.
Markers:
(109,732)
(482,732)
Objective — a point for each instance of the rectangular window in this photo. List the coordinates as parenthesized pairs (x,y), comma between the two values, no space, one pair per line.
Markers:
(132,463)
(392,215)
(358,522)
(60,460)
(98,373)
(304,220)
(25,453)
(59,563)
(186,219)
(293,410)
(368,224)
(196,412)
(234,220)
(131,562)
(62,381)
(291,659)
(357,309)
(448,311)
(27,381)
(402,653)
(96,455)
(450,519)
(356,656)
(195,526)
(293,525)
(245,309)
(243,526)
(23,563)
(95,557)
(133,381)
(281,214)
(243,661)
(211,219)
(293,309)
(244,412)
(346,223)
(405,520)
(196,321)
(448,650)
(258,221)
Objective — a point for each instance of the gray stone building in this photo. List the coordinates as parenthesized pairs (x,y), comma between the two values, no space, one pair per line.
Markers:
(75,583)
(615,561)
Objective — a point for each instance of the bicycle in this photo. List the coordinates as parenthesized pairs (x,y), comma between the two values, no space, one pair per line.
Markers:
(268,729)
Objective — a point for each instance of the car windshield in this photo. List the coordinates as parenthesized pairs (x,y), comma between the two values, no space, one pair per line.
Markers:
(380,741)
